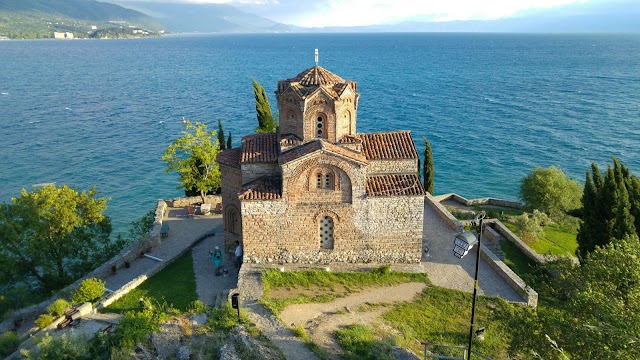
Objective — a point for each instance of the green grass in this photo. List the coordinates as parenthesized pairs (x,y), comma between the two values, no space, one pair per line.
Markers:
(516,260)
(175,285)
(555,240)
(326,282)
(360,342)
(442,316)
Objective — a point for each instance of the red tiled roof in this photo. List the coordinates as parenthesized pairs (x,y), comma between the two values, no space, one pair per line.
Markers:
(394,185)
(260,148)
(392,145)
(316,145)
(317,76)
(230,157)
(264,188)
(290,140)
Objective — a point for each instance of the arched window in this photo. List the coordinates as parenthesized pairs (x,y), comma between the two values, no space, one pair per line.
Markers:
(326,233)
(321,130)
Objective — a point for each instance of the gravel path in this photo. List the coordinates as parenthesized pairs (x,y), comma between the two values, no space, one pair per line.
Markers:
(322,320)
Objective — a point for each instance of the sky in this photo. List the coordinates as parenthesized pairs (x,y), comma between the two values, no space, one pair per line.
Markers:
(322,13)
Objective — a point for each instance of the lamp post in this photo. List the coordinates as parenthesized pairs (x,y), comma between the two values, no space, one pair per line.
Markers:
(462,243)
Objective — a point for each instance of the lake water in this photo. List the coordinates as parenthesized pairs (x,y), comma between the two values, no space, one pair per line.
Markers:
(493,106)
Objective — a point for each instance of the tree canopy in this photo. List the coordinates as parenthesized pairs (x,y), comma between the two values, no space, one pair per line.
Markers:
(550,190)
(600,313)
(52,236)
(428,167)
(193,156)
(266,121)
(611,207)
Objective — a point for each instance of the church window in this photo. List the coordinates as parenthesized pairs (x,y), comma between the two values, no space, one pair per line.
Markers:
(325,181)
(326,232)
(320,127)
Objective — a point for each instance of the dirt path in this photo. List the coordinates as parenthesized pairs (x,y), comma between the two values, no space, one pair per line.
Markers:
(321,320)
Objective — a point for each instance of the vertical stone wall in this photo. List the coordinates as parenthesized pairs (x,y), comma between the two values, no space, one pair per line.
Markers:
(231,179)
(392,166)
(384,229)
(251,172)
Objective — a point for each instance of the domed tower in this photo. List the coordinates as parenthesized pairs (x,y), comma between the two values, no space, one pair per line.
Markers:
(317,104)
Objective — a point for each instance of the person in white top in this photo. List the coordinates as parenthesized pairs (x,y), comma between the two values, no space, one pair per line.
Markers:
(238,254)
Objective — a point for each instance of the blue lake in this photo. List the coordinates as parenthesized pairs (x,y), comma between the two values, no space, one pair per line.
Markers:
(493,106)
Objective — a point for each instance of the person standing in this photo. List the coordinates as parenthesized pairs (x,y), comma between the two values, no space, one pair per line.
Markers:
(216,257)
(238,254)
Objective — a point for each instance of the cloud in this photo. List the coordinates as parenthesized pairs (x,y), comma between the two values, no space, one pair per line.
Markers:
(320,13)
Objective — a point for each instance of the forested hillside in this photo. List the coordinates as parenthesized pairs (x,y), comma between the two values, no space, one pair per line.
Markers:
(40,18)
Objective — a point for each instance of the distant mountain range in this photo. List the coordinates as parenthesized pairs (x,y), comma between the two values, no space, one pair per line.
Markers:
(39,18)
(205,18)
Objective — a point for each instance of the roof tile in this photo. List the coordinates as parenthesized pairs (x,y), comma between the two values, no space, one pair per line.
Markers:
(394,185)
(319,144)
(263,188)
(230,157)
(260,148)
(394,145)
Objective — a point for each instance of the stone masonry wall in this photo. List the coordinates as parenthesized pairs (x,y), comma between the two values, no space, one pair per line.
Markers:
(392,166)
(251,172)
(384,230)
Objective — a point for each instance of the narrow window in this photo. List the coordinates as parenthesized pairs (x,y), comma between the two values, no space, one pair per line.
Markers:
(326,233)
(319,181)
(320,126)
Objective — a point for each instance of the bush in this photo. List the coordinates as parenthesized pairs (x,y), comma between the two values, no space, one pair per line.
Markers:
(196,307)
(88,290)
(530,227)
(63,347)
(44,320)
(58,307)
(9,342)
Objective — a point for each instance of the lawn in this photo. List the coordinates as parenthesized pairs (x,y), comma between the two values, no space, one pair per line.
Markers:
(516,260)
(438,315)
(299,287)
(555,240)
(175,285)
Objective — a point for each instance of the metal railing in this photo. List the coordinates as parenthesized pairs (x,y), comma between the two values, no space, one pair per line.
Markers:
(429,355)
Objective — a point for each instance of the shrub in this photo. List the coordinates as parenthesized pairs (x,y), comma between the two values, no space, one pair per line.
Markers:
(9,342)
(58,307)
(383,270)
(44,320)
(224,318)
(196,307)
(530,227)
(88,290)
(55,348)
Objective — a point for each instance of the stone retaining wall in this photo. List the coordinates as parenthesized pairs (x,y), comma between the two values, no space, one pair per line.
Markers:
(481,201)
(451,220)
(192,200)
(516,283)
(507,234)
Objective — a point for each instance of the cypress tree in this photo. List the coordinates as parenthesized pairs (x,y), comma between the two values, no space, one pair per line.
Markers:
(634,199)
(220,136)
(586,243)
(428,167)
(229,142)
(266,123)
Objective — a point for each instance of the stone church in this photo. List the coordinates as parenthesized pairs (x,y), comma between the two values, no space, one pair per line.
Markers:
(316,190)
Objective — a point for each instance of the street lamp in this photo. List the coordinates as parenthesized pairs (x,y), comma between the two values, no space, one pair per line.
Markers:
(462,243)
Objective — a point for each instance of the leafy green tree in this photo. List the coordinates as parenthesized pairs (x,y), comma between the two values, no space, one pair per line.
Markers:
(221,136)
(53,236)
(599,316)
(229,142)
(428,167)
(193,156)
(88,290)
(550,190)
(266,122)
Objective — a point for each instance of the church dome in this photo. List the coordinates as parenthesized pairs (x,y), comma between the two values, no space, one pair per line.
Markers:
(317,76)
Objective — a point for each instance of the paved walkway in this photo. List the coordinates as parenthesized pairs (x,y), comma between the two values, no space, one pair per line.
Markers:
(184,231)
(448,271)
